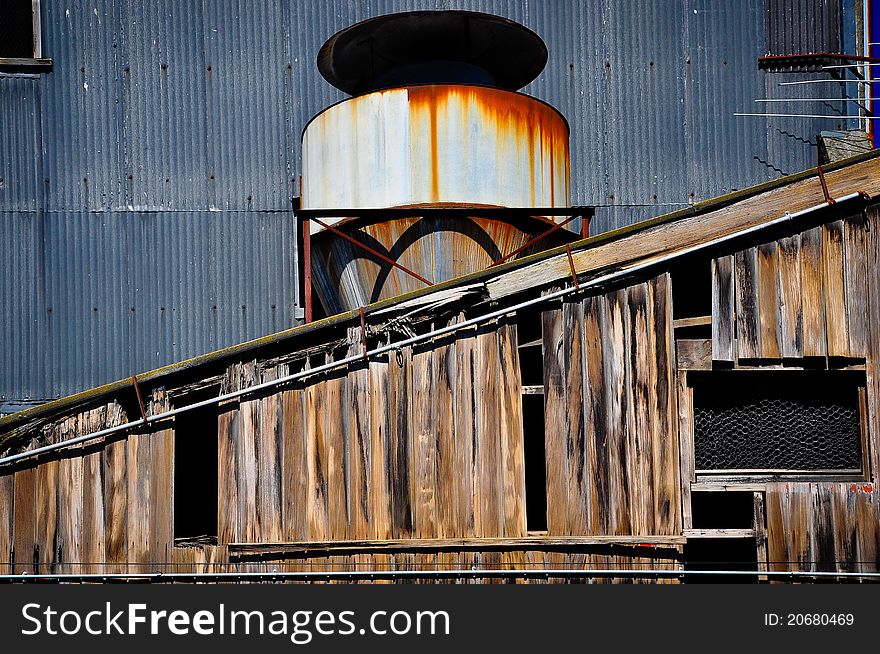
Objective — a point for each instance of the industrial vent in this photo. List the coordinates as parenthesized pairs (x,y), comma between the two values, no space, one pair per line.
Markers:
(777,421)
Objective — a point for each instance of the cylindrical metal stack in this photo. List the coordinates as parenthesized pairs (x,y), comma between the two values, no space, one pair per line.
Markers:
(432,138)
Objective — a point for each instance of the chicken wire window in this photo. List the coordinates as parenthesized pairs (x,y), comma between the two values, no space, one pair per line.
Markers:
(778,421)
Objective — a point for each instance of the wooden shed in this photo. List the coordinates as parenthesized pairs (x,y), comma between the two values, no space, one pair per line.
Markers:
(698,392)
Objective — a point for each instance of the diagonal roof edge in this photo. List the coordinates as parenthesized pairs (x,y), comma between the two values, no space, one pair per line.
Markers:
(228,353)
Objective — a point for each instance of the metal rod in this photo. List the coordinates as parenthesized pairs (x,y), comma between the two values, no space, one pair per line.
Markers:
(596,281)
(825,81)
(307,267)
(418,212)
(363,333)
(808,116)
(858,65)
(810,100)
(372,251)
(368,575)
(533,241)
(828,197)
(574,276)
(137,391)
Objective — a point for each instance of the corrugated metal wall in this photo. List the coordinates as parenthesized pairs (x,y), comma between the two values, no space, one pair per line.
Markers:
(145,182)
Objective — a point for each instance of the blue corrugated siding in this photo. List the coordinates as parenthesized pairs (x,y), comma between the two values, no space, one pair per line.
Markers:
(145,182)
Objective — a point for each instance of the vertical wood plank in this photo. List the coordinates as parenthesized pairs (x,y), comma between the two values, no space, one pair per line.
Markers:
(512,445)
(812,301)
(555,427)
(161,518)
(399,397)
(424,503)
(872,263)
(663,407)
(488,414)
(577,522)
(594,399)
(640,443)
(24,519)
(116,504)
(316,459)
(856,275)
(747,315)
(685,405)
(722,309)
(617,384)
(760,527)
(7,495)
(790,311)
(138,460)
(768,305)
(359,441)
(246,457)
(380,448)
(93,532)
(834,289)
(465,431)
(268,451)
(228,428)
(337,456)
(444,400)
(293,486)
(47,515)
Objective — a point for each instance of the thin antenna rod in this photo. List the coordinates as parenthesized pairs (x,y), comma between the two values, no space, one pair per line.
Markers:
(825,81)
(737,113)
(810,100)
(860,65)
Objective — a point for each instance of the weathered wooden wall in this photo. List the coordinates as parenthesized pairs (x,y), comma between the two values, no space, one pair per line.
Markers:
(832,527)
(424,443)
(101,507)
(612,447)
(805,295)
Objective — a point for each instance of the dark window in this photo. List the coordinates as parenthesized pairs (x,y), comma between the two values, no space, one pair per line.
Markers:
(710,554)
(195,469)
(723,510)
(790,421)
(17,29)
(535,462)
(531,369)
(796,27)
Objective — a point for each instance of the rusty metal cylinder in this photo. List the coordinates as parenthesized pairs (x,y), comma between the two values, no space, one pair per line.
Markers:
(436,145)
(435,121)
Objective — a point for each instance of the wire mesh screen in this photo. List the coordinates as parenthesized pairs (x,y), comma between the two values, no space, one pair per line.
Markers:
(16,28)
(777,421)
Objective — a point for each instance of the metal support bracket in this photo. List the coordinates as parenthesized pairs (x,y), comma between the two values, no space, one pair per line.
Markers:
(574,276)
(140,399)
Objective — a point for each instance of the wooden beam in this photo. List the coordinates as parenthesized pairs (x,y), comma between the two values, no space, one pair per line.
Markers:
(719,533)
(696,321)
(436,544)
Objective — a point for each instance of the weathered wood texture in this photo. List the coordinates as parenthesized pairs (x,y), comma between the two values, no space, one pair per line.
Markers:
(612,448)
(804,295)
(491,555)
(833,527)
(424,443)
(105,506)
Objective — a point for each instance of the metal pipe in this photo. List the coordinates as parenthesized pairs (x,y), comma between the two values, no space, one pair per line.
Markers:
(809,116)
(810,100)
(825,81)
(307,267)
(370,575)
(597,281)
